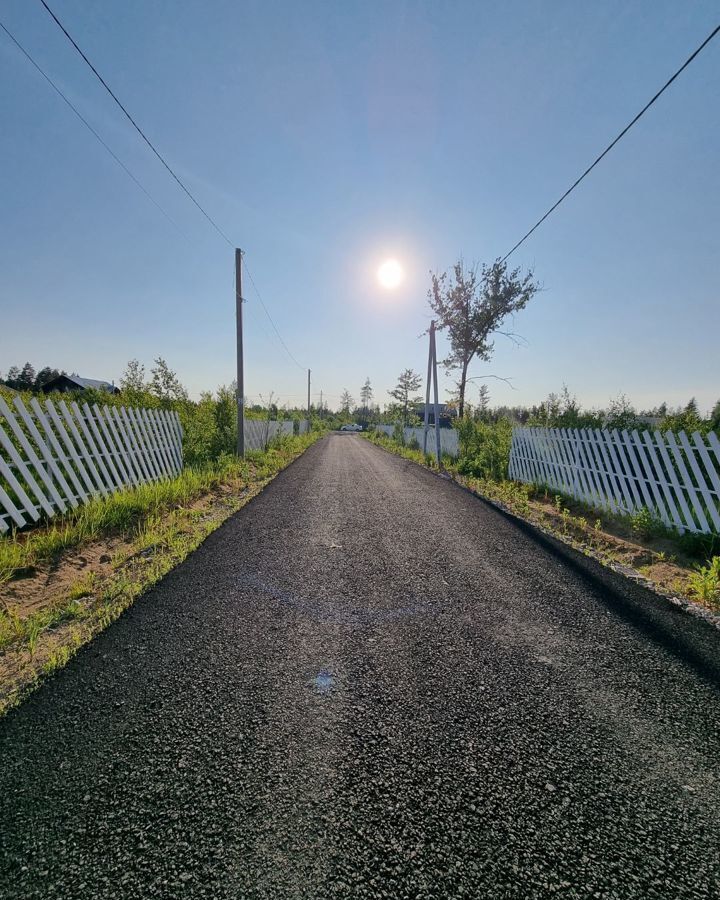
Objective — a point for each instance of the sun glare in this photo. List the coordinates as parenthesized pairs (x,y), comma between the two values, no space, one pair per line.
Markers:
(390,274)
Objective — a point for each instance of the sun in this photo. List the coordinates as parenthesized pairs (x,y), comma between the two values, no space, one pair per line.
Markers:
(390,274)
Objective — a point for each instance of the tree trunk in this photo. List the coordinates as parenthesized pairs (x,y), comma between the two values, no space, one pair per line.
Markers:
(463,384)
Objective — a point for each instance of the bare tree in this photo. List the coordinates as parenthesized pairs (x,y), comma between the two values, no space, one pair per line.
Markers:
(408,382)
(471,306)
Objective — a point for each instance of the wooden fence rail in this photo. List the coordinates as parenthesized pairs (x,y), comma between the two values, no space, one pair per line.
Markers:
(676,477)
(55,456)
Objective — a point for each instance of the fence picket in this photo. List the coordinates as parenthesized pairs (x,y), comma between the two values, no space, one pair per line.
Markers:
(703,480)
(675,477)
(137,449)
(26,474)
(80,495)
(84,453)
(687,483)
(70,447)
(59,456)
(105,481)
(114,447)
(33,458)
(47,454)
(123,446)
(105,460)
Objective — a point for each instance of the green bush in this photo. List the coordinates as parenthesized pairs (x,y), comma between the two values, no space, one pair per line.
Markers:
(485,448)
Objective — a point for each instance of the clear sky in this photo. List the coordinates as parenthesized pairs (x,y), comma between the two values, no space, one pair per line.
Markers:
(324,137)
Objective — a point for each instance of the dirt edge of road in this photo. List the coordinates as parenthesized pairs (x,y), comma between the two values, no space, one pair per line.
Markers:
(89,588)
(655,569)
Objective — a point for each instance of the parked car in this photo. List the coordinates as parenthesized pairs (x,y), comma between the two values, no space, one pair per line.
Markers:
(351,426)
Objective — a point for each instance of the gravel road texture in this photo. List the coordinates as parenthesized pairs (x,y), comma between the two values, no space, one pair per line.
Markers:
(370,684)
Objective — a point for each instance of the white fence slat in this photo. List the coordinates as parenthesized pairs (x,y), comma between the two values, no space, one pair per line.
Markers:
(637,468)
(136,445)
(164,452)
(115,481)
(659,504)
(715,444)
(671,475)
(674,477)
(122,443)
(84,452)
(622,496)
(115,452)
(55,457)
(32,458)
(164,426)
(625,464)
(177,436)
(660,480)
(703,480)
(151,443)
(79,495)
(105,481)
(27,505)
(687,484)
(71,451)
(27,475)
(47,454)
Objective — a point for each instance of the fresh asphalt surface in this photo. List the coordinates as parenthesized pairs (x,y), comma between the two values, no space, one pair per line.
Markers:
(369,683)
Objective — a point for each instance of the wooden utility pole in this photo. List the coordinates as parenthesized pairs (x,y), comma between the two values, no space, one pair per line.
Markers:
(308,397)
(240,367)
(432,376)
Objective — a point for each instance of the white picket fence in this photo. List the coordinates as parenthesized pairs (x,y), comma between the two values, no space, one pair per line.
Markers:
(675,476)
(55,457)
(448,437)
(259,433)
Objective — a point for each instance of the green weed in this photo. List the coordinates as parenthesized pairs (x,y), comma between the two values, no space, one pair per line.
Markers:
(704,584)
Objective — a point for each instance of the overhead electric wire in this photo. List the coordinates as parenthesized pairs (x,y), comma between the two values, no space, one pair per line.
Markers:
(270,319)
(618,138)
(90,128)
(168,167)
(136,126)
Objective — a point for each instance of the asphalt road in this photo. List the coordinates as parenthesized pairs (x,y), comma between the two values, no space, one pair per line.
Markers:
(369,683)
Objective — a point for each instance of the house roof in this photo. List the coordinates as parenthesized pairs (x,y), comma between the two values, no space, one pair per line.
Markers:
(82,383)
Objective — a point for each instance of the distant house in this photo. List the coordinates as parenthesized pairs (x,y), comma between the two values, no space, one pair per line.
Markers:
(65,383)
(447,413)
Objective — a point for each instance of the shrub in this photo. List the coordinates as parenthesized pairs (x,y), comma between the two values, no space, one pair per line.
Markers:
(485,448)
(704,584)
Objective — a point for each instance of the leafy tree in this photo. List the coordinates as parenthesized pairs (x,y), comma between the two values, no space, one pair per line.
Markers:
(132,380)
(26,379)
(471,306)
(12,376)
(346,402)
(715,417)
(165,384)
(408,382)
(45,375)
(366,395)
(621,414)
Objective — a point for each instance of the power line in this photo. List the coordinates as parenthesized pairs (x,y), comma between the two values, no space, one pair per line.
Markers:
(136,126)
(169,169)
(90,128)
(612,144)
(270,319)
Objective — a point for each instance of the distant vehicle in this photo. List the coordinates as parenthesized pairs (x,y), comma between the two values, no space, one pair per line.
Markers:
(352,426)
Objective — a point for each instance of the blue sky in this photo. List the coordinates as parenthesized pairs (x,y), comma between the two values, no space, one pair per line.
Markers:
(324,137)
